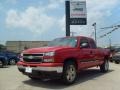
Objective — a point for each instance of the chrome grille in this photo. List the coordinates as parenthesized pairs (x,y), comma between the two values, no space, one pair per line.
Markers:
(33,57)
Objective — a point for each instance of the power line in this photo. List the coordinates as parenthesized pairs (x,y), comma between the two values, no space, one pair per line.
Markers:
(111,27)
(107,28)
(116,28)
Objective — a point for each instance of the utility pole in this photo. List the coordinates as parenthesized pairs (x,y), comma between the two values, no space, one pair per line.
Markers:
(94,25)
(67,4)
(110,44)
(75,14)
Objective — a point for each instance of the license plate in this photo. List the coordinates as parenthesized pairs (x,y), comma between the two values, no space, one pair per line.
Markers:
(28,69)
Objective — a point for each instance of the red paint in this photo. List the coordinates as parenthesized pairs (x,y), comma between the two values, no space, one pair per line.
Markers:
(84,57)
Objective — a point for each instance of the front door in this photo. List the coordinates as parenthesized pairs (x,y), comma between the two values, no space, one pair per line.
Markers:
(85,54)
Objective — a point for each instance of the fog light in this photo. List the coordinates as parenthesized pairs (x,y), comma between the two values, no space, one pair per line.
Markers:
(48,60)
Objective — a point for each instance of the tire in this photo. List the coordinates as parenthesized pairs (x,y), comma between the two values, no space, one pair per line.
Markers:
(105,66)
(1,63)
(69,73)
(117,62)
(12,62)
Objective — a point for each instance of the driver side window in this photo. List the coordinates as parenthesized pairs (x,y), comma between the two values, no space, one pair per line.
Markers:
(84,43)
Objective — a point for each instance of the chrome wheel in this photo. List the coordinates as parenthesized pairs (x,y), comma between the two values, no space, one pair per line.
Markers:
(105,66)
(71,73)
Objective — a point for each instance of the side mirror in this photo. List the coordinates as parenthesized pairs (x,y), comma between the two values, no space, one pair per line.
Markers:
(84,45)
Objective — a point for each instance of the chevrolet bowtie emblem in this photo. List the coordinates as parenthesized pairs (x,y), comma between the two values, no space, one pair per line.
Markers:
(30,57)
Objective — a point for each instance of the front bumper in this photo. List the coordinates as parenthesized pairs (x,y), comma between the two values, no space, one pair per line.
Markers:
(44,70)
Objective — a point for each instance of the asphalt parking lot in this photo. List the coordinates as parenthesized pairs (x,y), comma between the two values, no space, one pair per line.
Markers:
(91,79)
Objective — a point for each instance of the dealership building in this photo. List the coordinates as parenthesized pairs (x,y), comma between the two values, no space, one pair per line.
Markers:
(18,46)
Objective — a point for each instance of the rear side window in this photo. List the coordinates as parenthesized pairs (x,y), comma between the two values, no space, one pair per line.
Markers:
(92,43)
(84,40)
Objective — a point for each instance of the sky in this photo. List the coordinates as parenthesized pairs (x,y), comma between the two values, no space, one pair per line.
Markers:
(44,20)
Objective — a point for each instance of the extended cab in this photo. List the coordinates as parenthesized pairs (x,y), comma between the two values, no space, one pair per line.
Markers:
(63,57)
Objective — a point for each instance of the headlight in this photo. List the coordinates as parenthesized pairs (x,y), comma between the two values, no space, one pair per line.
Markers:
(49,54)
(21,55)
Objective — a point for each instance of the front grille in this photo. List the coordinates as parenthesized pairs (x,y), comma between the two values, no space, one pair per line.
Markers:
(33,57)
(41,54)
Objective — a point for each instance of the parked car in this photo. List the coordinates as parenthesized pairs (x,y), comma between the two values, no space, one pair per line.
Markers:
(12,58)
(116,56)
(63,58)
(3,61)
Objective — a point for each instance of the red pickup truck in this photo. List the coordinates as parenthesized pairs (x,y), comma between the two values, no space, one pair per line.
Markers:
(63,58)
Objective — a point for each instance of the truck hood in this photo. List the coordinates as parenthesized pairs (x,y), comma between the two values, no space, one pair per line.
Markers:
(45,49)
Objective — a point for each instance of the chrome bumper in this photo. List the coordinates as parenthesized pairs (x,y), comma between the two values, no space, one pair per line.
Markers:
(47,69)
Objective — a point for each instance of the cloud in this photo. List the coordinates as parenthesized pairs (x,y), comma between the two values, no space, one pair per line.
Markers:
(62,23)
(33,19)
(1,7)
(11,1)
(38,21)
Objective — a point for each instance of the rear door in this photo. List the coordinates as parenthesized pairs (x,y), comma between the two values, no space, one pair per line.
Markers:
(95,53)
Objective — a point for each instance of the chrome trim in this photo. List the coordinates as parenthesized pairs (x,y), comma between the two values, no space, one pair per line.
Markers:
(49,69)
(33,53)
(32,57)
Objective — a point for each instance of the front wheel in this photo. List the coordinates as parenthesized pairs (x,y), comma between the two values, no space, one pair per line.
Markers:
(105,66)
(69,73)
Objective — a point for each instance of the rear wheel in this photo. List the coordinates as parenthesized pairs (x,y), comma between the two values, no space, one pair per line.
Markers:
(117,62)
(111,60)
(105,66)
(69,73)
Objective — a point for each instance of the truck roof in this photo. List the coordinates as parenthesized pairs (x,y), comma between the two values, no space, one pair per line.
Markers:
(79,37)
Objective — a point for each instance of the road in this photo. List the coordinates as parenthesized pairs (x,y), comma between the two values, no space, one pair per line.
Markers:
(91,79)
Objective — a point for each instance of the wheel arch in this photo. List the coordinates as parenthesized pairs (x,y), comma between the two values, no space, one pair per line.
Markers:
(71,59)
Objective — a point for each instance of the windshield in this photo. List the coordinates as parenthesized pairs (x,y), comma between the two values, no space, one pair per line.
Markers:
(64,42)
